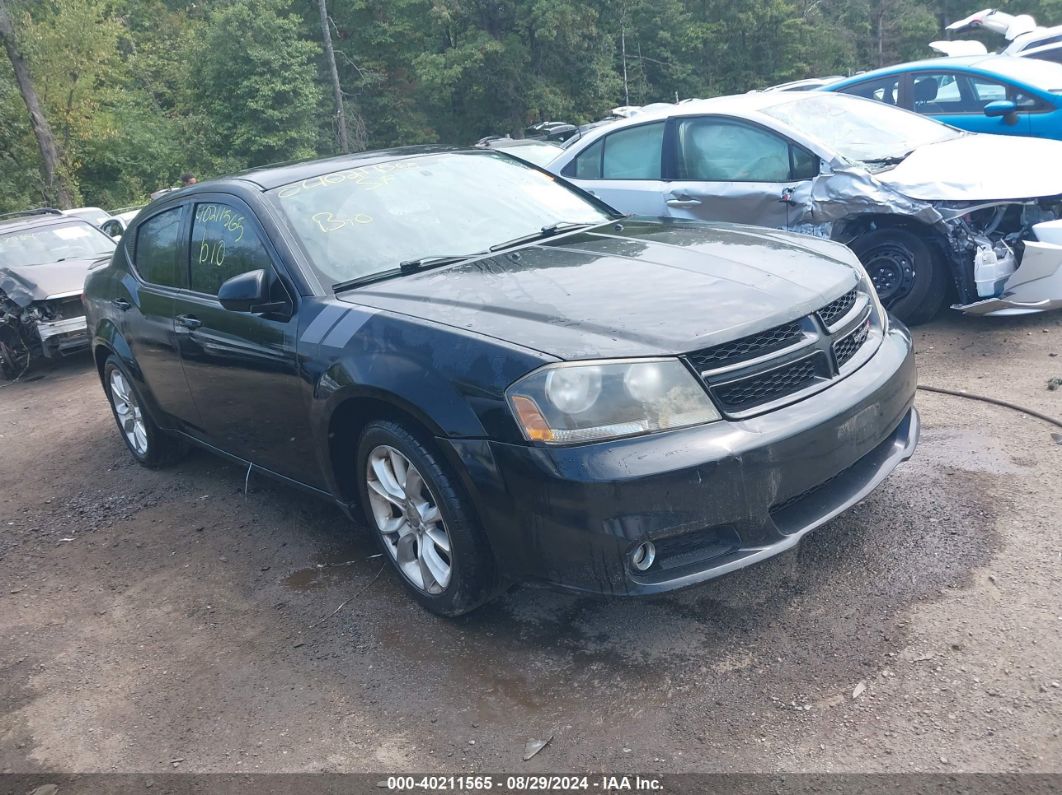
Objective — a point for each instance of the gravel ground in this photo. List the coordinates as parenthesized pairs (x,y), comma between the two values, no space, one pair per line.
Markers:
(161,621)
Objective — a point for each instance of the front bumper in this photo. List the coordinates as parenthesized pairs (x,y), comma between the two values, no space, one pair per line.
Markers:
(712,499)
(61,337)
(1036,286)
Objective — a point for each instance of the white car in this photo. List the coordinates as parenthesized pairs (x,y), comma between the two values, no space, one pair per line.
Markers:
(933,212)
(1025,37)
(99,218)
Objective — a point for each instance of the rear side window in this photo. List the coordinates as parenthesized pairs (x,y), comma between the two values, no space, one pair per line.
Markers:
(633,153)
(588,164)
(156,248)
(224,244)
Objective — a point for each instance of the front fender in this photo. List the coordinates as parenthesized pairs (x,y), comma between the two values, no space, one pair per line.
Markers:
(450,381)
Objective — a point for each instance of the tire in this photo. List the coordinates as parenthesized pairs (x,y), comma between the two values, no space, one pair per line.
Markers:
(396,510)
(150,445)
(911,281)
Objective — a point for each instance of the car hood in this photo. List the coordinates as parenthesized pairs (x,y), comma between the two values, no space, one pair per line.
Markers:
(28,283)
(633,289)
(979,167)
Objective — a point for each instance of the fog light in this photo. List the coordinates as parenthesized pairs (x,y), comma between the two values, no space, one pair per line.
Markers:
(643,556)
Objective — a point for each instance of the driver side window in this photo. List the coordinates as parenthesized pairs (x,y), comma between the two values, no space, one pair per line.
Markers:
(224,244)
(721,150)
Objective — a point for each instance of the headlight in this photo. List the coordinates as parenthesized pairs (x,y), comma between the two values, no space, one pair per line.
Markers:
(590,401)
(868,288)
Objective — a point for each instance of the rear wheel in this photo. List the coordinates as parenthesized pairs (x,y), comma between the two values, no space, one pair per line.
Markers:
(908,275)
(149,444)
(423,521)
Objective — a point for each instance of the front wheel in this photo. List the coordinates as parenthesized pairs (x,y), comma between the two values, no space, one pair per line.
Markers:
(149,444)
(908,276)
(423,521)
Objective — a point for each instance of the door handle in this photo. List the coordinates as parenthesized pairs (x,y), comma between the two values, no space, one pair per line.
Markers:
(189,321)
(121,303)
(683,202)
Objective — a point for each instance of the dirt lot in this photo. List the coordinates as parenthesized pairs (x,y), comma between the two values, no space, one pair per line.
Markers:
(160,621)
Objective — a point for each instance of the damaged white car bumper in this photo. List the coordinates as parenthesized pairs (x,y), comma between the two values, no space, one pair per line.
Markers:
(1036,285)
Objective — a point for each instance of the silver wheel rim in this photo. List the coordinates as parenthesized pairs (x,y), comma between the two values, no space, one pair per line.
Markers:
(130,417)
(408,518)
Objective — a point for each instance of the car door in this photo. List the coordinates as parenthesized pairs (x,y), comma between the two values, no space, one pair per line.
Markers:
(624,169)
(146,310)
(728,169)
(242,367)
(959,99)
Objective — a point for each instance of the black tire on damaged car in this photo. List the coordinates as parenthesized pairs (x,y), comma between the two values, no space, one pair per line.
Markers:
(163,449)
(473,579)
(908,273)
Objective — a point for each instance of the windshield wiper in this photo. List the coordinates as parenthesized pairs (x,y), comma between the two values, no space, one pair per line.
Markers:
(547,231)
(405,267)
(433,261)
(889,160)
(361,281)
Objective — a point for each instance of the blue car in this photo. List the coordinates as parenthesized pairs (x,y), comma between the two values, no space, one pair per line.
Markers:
(998,94)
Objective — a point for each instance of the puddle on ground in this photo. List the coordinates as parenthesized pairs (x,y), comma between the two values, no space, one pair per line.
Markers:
(332,566)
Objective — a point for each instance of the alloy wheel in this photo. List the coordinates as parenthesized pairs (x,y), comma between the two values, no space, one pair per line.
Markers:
(130,415)
(409,520)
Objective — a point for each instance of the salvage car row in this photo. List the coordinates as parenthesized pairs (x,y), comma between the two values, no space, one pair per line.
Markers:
(573,377)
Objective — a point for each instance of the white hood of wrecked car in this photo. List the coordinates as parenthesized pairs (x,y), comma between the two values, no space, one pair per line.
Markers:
(979,167)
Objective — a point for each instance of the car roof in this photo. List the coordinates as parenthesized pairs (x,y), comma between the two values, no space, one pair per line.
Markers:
(510,143)
(269,177)
(39,219)
(1038,74)
(731,104)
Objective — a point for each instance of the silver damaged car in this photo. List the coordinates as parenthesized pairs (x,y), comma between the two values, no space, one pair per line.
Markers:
(934,213)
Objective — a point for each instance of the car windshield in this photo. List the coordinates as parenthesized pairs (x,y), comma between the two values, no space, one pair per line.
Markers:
(53,243)
(859,129)
(363,221)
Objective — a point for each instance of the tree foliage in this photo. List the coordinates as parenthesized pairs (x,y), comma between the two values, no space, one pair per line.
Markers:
(138,91)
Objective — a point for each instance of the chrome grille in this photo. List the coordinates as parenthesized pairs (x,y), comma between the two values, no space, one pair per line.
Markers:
(772,339)
(768,386)
(835,310)
(846,348)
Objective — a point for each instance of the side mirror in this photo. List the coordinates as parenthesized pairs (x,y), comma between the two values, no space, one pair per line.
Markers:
(1003,107)
(112,227)
(244,293)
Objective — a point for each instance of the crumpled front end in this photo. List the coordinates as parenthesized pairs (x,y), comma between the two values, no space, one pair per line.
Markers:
(1009,256)
(51,328)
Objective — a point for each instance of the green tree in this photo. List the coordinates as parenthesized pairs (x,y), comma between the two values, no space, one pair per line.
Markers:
(256,96)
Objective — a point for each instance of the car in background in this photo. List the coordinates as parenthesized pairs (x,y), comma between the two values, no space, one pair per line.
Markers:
(44,258)
(530,150)
(127,214)
(933,212)
(996,94)
(100,218)
(506,378)
(94,215)
(1026,38)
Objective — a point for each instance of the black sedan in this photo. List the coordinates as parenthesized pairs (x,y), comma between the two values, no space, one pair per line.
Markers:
(509,379)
